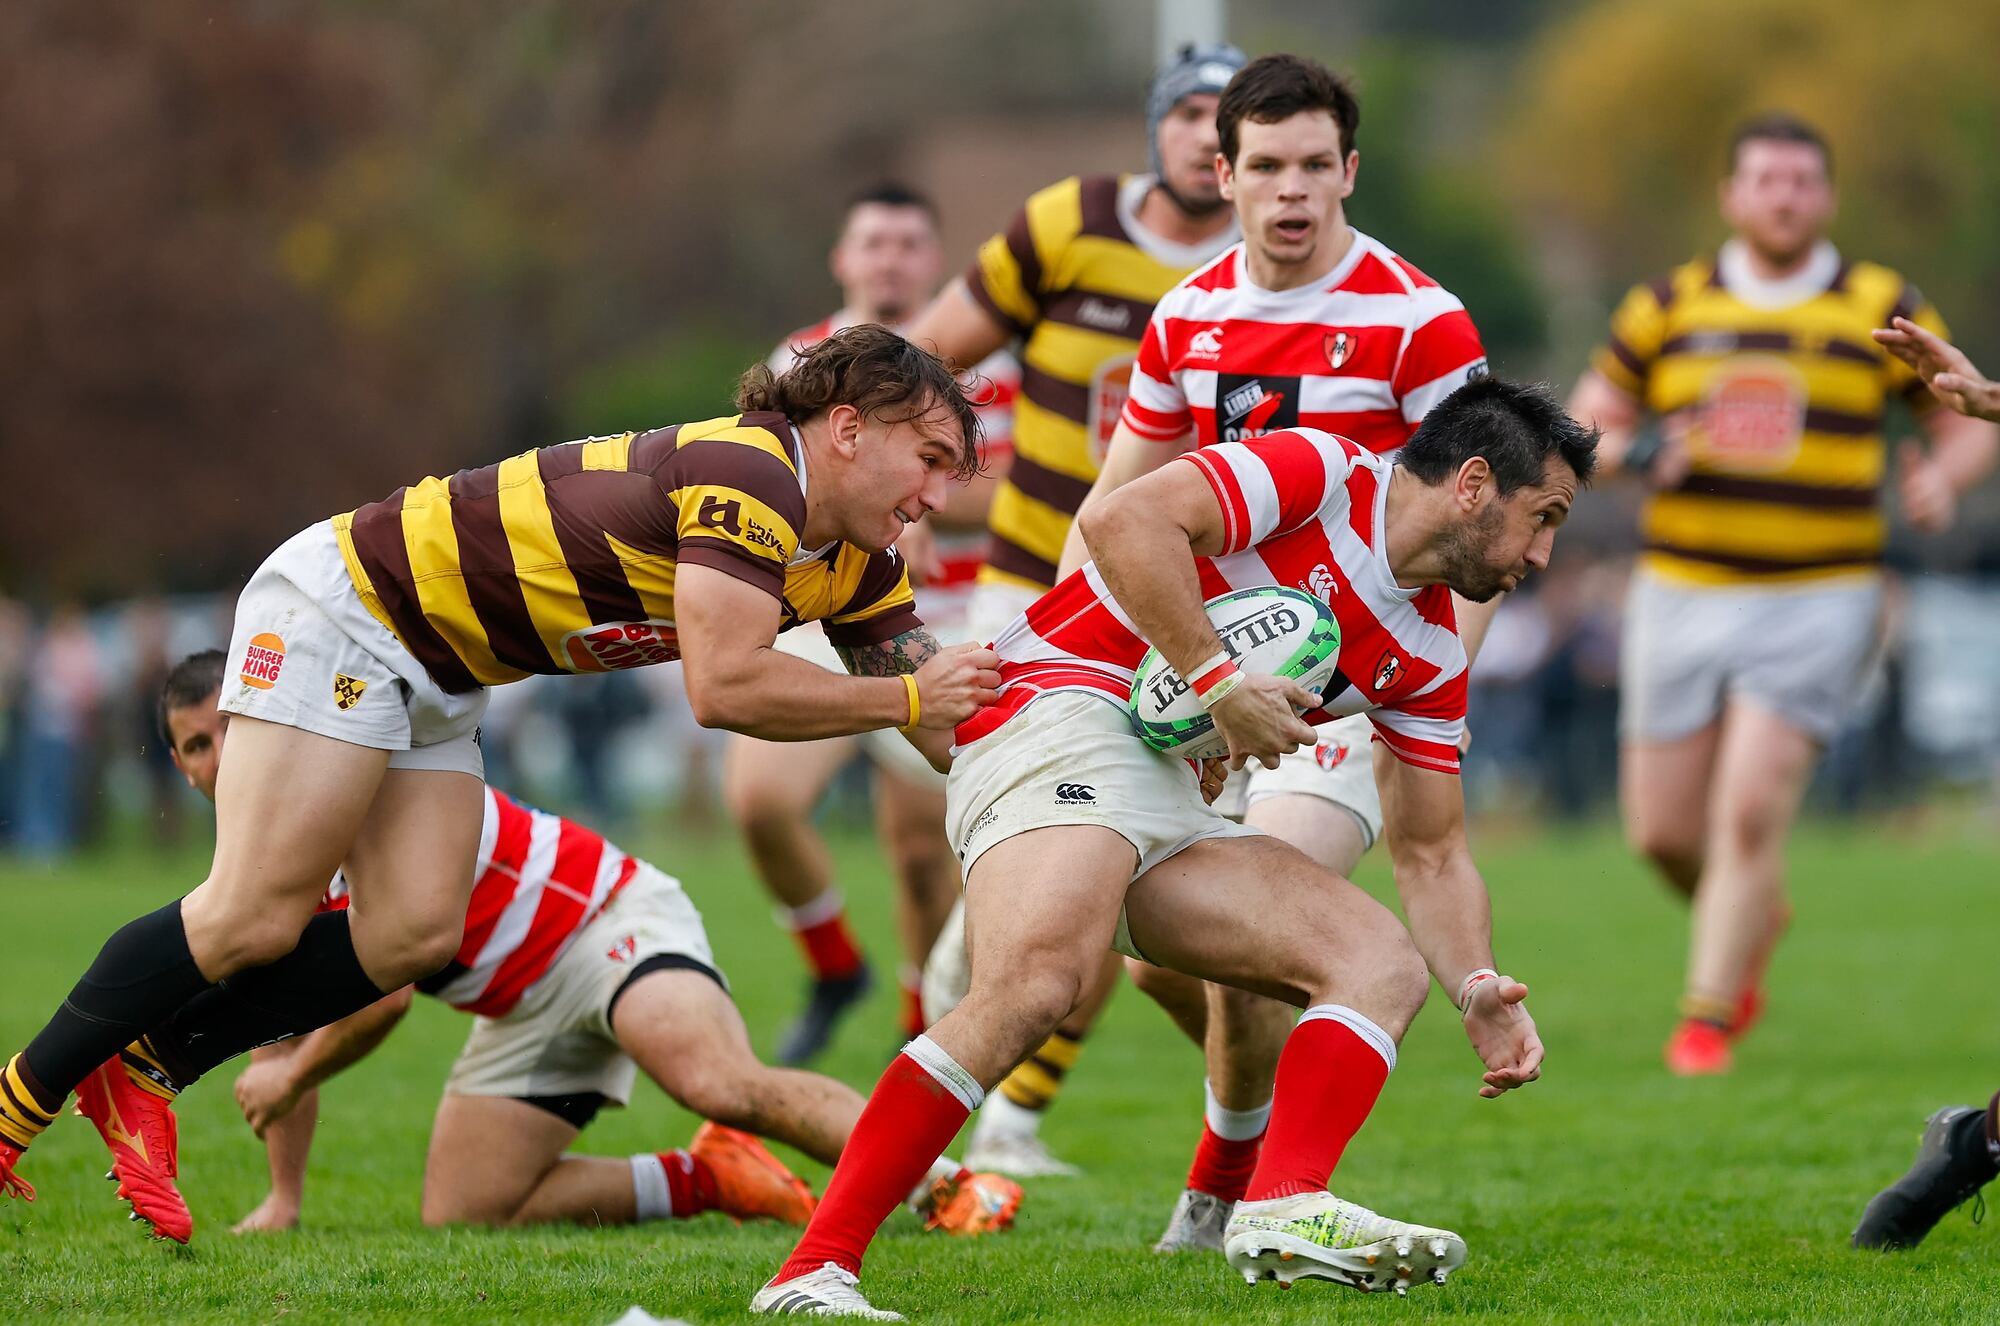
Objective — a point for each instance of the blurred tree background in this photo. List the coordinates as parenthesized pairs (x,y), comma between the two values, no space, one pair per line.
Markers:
(263,260)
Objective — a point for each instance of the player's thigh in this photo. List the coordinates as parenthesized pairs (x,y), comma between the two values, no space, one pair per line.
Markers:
(684,1031)
(289,805)
(487,1154)
(1327,831)
(1045,900)
(909,812)
(410,871)
(1762,767)
(1321,799)
(764,781)
(1663,789)
(1257,914)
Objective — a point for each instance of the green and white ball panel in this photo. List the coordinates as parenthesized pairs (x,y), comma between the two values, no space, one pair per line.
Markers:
(1270,630)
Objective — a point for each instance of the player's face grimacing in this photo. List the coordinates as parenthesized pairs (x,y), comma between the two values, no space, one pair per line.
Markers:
(888,261)
(197,731)
(899,471)
(1779,198)
(1187,154)
(1288,182)
(1502,539)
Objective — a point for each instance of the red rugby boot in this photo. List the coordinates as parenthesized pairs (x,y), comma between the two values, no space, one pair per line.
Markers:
(140,1131)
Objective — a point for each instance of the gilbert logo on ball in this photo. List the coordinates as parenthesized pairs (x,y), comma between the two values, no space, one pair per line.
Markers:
(263,661)
(1271,630)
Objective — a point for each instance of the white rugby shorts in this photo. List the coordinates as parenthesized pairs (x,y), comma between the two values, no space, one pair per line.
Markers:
(1339,768)
(1072,758)
(1799,651)
(558,1040)
(306,653)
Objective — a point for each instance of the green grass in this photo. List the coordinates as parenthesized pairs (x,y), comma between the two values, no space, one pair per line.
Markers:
(1607,1192)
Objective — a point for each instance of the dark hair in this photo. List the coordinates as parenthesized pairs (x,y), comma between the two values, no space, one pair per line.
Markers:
(1276,87)
(1518,427)
(190,681)
(1778,127)
(889,193)
(876,371)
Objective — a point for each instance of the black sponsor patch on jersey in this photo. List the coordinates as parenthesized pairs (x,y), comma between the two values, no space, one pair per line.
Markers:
(1251,406)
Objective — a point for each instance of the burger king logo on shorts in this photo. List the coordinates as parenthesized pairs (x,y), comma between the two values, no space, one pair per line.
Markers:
(263,660)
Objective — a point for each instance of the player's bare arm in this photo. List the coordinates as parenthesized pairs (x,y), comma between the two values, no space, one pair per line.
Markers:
(1127,458)
(1144,539)
(905,655)
(957,329)
(1947,370)
(271,1087)
(1963,450)
(737,681)
(1451,917)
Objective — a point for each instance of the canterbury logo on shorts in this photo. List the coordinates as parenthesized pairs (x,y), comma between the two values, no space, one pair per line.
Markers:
(1076,794)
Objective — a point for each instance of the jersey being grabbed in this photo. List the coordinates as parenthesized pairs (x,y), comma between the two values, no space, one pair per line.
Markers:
(1364,352)
(539,881)
(1303,509)
(564,559)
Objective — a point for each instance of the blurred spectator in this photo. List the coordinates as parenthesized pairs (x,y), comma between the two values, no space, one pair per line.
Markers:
(54,757)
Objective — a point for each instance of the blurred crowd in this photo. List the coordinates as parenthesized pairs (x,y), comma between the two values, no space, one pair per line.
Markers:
(81,755)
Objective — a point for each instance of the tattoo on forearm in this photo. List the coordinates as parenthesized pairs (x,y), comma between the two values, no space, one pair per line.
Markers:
(892,657)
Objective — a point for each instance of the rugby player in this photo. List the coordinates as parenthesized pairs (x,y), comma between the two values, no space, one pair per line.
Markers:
(1754,613)
(1306,322)
(1073,277)
(364,648)
(887,260)
(1960,1150)
(1146,866)
(582,965)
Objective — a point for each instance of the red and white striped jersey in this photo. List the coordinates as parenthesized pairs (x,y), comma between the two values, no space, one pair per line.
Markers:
(959,551)
(1303,509)
(1364,353)
(541,879)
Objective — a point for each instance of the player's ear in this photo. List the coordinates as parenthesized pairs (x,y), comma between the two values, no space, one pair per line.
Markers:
(1473,480)
(1353,169)
(843,427)
(1225,178)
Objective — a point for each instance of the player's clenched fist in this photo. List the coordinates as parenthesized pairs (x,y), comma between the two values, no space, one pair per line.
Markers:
(955,683)
(1261,719)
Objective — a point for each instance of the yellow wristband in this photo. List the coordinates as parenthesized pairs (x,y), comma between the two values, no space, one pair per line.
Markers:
(916,710)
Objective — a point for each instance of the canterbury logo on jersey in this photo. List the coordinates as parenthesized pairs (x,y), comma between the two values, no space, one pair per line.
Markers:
(1076,794)
(1205,344)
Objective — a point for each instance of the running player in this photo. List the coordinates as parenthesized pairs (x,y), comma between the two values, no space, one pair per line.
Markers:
(1307,322)
(1146,866)
(1754,612)
(1074,277)
(581,965)
(362,653)
(1960,1150)
(888,259)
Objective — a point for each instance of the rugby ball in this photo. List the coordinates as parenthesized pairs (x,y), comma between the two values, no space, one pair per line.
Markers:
(1272,630)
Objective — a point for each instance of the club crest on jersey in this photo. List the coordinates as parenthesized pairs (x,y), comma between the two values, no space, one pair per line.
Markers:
(1330,755)
(347,690)
(1339,346)
(616,645)
(1109,387)
(263,660)
(624,949)
(1388,670)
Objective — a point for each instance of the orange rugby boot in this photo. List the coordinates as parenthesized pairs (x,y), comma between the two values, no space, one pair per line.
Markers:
(973,1204)
(1698,1049)
(750,1182)
(144,1140)
(1749,1007)
(11,1183)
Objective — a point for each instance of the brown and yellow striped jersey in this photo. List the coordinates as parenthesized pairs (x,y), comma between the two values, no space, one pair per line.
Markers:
(563,559)
(1076,279)
(1783,409)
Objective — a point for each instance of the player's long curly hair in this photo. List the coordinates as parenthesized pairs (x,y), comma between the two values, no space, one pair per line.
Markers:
(879,373)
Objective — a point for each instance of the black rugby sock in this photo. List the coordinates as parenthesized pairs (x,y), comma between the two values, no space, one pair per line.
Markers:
(144,968)
(318,982)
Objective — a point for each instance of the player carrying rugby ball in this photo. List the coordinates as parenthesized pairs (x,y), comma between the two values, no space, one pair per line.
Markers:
(1076,834)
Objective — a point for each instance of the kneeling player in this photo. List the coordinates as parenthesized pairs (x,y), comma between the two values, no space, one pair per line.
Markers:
(1137,860)
(582,965)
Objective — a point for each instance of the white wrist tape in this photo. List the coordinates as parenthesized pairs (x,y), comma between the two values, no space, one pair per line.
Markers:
(1471,981)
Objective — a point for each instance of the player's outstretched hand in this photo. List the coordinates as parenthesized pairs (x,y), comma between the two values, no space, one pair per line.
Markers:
(1945,368)
(1261,719)
(1503,1035)
(266,1093)
(956,683)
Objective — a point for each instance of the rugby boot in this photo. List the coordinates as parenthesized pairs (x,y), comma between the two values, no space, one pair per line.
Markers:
(1197,1225)
(969,1204)
(139,1129)
(11,1182)
(827,1002)
(1749,1008)
(750,1182)
(1022,1155)
(1954,1161)
(831,1291)
(1317,1235)
(1698,1049)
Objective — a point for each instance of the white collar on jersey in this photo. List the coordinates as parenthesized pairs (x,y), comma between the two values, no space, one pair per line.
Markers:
(1164,251)
(804,555)
(1384,476)
(1812,278)
(1312,290)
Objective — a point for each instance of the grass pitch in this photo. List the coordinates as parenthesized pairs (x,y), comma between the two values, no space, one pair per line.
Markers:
(1608,1191)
